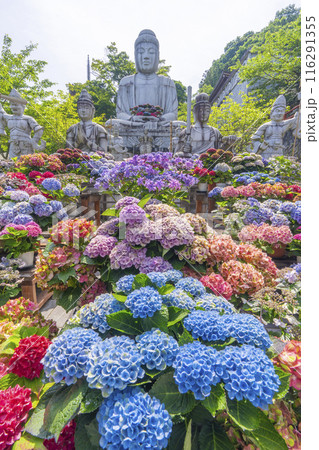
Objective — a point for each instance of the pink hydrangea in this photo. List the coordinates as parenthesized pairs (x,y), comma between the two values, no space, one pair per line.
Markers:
(198,252)
(229,191)
(243,278)
(174,231)
(217,284)
(222,248)
(100,246)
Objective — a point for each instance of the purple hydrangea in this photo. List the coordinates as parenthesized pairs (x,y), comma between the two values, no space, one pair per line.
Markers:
(19,196)
(154,264)
(132,215)
(175,231)
(6,216)
(43,210)
(279,220)
(100,246)
(126,201)
(38,199)
(56,205)
(71,190)
(109,228)
(22,219)
(23,208)
(51,184)
(142,234)
(124,256)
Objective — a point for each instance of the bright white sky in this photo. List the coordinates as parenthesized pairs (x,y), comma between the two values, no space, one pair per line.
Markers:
(191,33)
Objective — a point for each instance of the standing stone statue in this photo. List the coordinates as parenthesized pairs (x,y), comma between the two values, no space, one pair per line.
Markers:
(268,139)
(146,87)
(20,127)
(86,135)
(202,136)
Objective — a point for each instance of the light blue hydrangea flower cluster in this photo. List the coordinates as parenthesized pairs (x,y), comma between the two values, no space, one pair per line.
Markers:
(125,284)
(215,192)
(51,184)
(196,369)
(132,419)
(158,349)
(55,205)
(296,214)
(207,325)
(23,208)
(211,302)
(66,358)
(144,302)
(37,199)
(249,373)
(113,364)
(71,190)
(43,210)
(173,276)
(180,299)
(93,315)
(18,196)
(158,278)
(191,285)
(22,219)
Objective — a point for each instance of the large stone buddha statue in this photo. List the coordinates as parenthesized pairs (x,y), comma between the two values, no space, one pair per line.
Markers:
(146,86)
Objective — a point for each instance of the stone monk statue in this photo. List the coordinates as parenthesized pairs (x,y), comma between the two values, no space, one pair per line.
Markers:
(86,135)
(146,87)
(20,127)
(202,136)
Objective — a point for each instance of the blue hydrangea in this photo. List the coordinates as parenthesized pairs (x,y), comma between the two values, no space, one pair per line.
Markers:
(67,356)
(62,214)
(19,196)
(51,184)
(297,268)
(43,210)
(279,220)
(114,364)
(158,278)
(248,373)
(191,285)
(6,216)
(56,205)
(125,284)
(180,299)
(246,329)
(287,207)
(207,325)
(211,302)
(38,199)
(23,208)
(158,349)
(215,192)
(296,214)
(22,219)
(196,368)
(173,276)
(257,216)
(93,315)
(132,419)
(273,204)
(71,190)
(144,302)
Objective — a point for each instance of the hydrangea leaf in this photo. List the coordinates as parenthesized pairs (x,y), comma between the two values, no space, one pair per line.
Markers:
(9,380)
(243,413)
(216,400)
(177,437)
(142,280)
(212,436)
(24,332)
(86,433)
(68,299)
(165,389)
(266,436)
(185,338)
(120,298)
(158,320)
(167,289)
(144,200)
(123,321)
(177,264)
(35,424)
(110,212)
(284,382)
(86,260)
(176,315)
(28,442)
(66,274)
(91,401)
(63,407)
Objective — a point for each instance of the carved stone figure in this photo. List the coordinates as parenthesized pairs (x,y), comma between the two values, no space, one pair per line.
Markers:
(146,87)
(202,136)
(269,138)
(86,135)
(145,143)
(20,127)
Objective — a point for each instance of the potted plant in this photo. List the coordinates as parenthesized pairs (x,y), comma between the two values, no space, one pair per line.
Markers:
(21,240)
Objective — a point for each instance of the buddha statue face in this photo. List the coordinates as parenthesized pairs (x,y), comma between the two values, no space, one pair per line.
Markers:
(202,112)
(17,109)
(85,111)
(277,114)
(146,57)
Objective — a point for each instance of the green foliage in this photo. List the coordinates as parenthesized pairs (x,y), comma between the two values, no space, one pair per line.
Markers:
(239,119)
(243,413)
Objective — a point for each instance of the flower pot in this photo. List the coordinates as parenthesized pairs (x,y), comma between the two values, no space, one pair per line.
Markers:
(28,259)
(211,186)
(202,187)
(279,252)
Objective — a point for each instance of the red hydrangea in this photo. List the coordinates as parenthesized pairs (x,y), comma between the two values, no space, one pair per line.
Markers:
(48,175)
(290,361)
(26,359)
(218,285)
(65,441)
(15,404)
(34,173)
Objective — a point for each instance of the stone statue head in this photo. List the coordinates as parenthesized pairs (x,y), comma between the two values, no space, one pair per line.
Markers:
(147,52)
(278,109)
(202,108)
(85,106)
(17,103)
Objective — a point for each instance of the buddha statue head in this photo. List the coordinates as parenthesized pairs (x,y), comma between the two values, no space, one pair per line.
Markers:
(85,106)
(147,52)
(278,109)
(202,108)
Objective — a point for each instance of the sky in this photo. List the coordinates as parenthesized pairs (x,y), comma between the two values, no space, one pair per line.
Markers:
(191,33)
